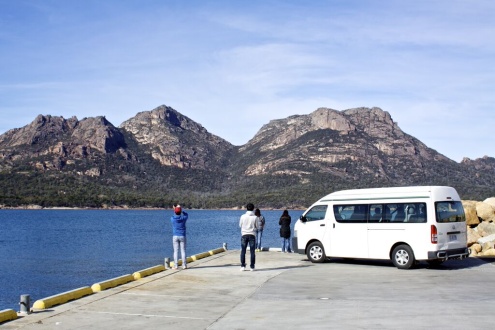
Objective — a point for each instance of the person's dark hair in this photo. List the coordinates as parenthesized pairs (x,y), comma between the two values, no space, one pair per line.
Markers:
(250,207)
(257,212)
(285,212)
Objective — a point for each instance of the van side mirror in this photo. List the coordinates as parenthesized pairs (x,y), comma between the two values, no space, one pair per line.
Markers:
(303,218)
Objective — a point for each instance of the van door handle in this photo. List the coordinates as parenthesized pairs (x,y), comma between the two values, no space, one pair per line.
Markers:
(322,225)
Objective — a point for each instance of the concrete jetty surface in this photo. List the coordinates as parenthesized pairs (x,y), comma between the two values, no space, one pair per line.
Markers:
(286,291)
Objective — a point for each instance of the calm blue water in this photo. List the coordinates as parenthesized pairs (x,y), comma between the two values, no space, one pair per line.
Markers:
(46,252)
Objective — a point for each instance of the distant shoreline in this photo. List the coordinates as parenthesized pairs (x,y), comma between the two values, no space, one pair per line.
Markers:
(124,208)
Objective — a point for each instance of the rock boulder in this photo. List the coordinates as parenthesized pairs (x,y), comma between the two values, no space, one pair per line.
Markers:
(486,229)
(490,201)
(471,215)
(472,236)
(485,211)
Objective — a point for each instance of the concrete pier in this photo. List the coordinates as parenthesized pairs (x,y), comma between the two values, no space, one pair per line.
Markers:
(286,292)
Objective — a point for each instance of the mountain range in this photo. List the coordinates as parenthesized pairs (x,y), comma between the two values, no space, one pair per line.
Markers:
(161,157)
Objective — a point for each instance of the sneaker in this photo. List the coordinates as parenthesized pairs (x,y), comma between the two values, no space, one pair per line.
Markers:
(243,269)
(184,267)
(252,269)
(174,268)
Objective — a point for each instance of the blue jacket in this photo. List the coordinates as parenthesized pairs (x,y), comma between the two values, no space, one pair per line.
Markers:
(179,224)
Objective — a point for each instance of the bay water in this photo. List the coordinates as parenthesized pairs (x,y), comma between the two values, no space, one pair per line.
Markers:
(47,252)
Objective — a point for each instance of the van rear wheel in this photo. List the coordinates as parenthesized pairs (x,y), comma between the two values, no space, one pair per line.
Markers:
(403,257)
(316,253)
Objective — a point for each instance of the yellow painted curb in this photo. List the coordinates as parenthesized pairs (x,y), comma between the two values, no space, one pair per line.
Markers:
(148,271)
(199,256)
(7,315)
(219,250)
(62,298)
(179,263)
(112,282)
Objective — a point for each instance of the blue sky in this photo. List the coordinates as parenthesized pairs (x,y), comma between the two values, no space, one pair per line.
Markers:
(233,66)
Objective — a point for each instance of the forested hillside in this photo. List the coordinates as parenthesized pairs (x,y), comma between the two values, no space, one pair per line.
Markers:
(160,157)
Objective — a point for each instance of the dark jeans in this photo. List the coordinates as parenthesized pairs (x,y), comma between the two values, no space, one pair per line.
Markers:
(245,239)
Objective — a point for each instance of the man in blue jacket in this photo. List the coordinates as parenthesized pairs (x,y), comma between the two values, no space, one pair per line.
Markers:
(179,235)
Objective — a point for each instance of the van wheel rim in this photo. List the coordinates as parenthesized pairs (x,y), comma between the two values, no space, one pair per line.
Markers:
(316,253)
(402,257)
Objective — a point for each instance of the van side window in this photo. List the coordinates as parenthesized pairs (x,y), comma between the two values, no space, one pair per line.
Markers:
(383,213)
(407,212)
(356,213)
(399,214)
(316,213)
(375,213)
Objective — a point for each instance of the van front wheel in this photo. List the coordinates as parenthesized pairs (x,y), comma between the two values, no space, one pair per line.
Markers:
(403,257)
(316,253)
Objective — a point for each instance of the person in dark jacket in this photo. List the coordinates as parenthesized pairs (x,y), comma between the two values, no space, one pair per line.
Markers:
(284,223)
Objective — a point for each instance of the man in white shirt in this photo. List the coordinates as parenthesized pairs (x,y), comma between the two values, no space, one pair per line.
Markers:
(248,226)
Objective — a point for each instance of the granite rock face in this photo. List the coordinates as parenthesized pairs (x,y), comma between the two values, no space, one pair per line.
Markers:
(331,149)
(58,141)
(175,140)
(334,141)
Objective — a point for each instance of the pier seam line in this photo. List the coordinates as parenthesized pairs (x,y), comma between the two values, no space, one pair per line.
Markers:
(241,301)
(153,315)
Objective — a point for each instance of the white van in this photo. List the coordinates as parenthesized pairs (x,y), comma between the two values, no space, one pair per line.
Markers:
(404,224)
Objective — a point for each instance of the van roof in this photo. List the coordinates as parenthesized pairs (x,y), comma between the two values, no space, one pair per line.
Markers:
(436,192)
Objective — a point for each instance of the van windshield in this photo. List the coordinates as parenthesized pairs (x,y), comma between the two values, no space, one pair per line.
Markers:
(316,213)
(449,212)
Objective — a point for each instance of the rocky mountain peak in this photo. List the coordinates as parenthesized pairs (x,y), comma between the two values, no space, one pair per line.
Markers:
(327,140)
(42,128)
(374,121)
(484,164)
(158,121)
(324,118)
(175,140)
(290,161)
(98,133)
(59,141)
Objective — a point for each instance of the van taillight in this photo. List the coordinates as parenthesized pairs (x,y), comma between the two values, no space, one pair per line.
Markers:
(434,234)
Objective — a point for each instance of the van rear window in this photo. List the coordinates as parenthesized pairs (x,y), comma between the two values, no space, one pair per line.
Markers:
(449,212)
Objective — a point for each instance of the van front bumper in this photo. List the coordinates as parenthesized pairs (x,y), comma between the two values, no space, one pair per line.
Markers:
(448,254)
(295,247)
